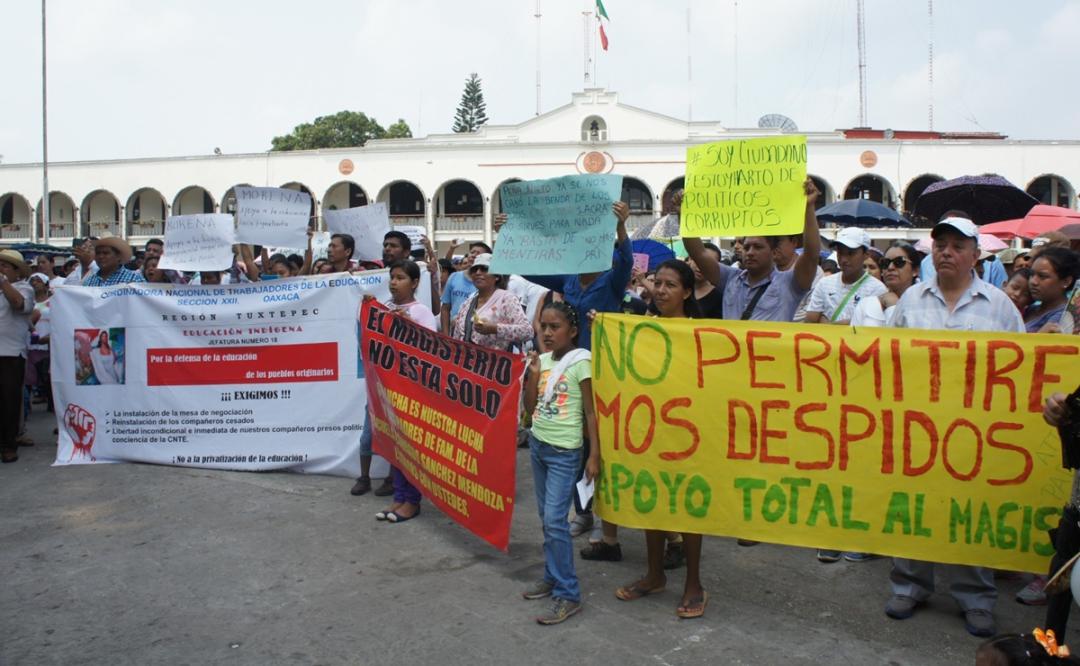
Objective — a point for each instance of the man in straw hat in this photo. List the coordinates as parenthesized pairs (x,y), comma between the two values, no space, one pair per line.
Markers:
(111,253)
(15,307)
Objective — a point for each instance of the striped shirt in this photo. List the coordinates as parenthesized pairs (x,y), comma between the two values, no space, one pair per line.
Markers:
(120,276)
(982,307)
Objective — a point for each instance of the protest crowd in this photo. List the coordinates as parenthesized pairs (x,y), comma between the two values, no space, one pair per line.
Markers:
(954,283)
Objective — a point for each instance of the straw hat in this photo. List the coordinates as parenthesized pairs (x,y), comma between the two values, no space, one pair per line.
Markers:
(15,258)
(119,244)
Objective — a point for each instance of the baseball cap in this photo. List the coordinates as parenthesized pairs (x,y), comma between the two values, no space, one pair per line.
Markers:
(482,260)
(1050,238)
(960,224)
(853,237)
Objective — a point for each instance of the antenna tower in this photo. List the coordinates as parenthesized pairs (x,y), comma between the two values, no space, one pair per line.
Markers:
(861,30)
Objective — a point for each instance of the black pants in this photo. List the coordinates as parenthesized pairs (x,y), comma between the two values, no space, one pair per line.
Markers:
(45,380)
(12,371)
(1066,539)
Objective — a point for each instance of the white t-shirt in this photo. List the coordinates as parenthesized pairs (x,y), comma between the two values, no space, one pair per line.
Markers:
(418,312)
(831,290)
(870,313)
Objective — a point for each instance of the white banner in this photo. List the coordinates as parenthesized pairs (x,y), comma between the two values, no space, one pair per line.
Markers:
(198,242)
(366,224)
(272,216)
(256,376)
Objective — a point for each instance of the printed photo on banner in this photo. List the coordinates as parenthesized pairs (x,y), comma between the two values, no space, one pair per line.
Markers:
(745,187)
(557,226)
(99,356)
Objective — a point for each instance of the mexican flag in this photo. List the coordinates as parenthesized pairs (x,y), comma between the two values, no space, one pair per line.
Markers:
(601,16)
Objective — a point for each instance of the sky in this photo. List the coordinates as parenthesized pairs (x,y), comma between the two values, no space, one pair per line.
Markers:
(154,78)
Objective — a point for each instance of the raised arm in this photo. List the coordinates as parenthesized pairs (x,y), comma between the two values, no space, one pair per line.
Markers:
(248,257)
(806,265)
(623,265)
(308,254)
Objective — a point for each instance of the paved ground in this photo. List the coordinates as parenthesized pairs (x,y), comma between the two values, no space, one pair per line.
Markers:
(137,564)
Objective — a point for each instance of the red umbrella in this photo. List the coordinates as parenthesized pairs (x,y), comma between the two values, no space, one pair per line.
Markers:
(1071,231)
(1042,218)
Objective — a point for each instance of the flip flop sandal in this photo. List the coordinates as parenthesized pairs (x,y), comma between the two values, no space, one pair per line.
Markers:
(395,517)
(692,610)
(634,592)
(383,515)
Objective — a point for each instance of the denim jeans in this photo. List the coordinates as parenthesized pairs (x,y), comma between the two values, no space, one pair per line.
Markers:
(365,437)
(404,491)
(554,474)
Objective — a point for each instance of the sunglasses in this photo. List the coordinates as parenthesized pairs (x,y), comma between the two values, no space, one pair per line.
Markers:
(477,269)
(899,262)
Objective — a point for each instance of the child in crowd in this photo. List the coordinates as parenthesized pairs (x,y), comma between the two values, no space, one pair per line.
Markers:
(404,281)
(1018,290)
(558,393)
(1032,649)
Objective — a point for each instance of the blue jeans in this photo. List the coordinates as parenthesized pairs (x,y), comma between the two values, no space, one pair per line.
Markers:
(365,437)
(554,474)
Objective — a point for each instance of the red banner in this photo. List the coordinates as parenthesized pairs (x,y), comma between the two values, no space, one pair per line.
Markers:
(445,413)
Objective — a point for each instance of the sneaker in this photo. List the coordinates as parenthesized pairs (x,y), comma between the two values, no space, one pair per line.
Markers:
(560,611)
(581,524)
(828,556)
(538,590)
(602,552)
(900,607)
(24,440)
(362,486)
(859,557)
(386,489)
(746,543)
(980,623)
(1034,594)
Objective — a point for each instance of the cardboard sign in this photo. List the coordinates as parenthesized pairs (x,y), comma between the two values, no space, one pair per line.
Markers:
(272,216)
(198,242)
(366,224)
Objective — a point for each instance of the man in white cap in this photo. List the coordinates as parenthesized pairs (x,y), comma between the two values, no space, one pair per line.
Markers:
(835,297)
(110,254)
(16,304)
(955,299)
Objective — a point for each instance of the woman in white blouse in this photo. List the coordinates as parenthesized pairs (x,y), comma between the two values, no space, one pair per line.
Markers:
(899,270)
(107,367)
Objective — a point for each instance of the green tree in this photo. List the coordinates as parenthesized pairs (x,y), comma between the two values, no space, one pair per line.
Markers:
(345,129)
(399,130)
(471,112)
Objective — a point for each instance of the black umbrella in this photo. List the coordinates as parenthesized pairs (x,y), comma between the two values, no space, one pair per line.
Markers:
(861,213)
(984,198)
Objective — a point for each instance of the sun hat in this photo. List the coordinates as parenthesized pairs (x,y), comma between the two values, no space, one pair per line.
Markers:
(15,258)
(119,244)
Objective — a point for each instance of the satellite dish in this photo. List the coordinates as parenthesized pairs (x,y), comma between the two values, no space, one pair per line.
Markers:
(777,120)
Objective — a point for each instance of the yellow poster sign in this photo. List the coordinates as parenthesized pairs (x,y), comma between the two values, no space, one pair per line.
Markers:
(745,187)
(920,444)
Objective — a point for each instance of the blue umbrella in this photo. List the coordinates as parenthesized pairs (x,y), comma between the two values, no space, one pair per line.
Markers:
(658,252)
(861,213)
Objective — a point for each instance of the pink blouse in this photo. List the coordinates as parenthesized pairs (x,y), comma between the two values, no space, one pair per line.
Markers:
(503,309)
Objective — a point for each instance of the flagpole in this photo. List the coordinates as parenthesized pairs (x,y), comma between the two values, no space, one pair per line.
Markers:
(537,15)
(44,138)
(689,70)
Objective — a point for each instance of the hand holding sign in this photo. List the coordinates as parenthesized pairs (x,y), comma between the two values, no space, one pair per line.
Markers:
(745,187)
(272,216)
(561,225)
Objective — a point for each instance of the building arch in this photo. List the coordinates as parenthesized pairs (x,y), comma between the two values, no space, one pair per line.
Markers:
(405,201)
(873,187)
(827,193)
(666,204)
(63,216)
(145,213)
(459,209)
(344,194)
(496,195)
(916,187)
(300,187)
(228,200)
(15,216)
(1053,190)
(193,200)
(594,129)
(100,213)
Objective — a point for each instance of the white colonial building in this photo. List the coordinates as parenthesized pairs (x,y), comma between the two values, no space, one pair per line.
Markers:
(450,182)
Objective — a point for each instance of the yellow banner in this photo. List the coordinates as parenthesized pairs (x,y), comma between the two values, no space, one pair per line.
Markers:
(748,187)
(920,444)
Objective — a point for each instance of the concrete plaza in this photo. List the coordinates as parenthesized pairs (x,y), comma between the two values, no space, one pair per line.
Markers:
(138,564)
